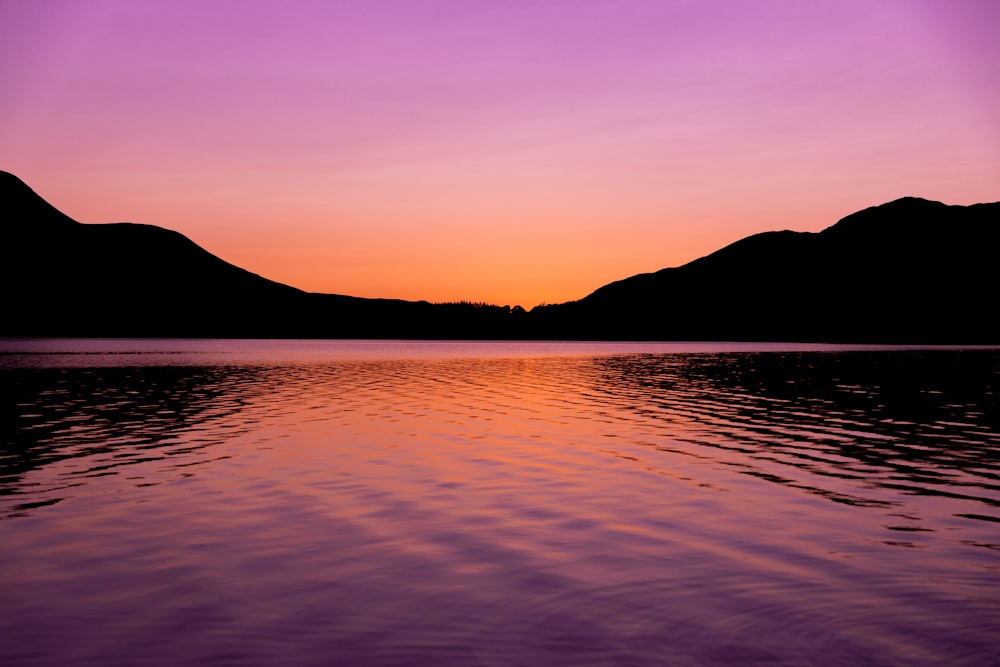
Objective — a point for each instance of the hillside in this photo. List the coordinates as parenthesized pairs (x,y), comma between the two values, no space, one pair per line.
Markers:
(910,271)
(907,271)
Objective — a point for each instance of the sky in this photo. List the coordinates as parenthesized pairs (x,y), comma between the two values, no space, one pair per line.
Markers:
(505,151)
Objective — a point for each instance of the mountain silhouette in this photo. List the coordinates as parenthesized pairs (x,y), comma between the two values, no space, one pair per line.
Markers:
(115,279)
(910,271)
(64,278)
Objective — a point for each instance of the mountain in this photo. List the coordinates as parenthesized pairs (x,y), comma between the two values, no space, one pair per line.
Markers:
(64,278)
(910,271)
(114,279)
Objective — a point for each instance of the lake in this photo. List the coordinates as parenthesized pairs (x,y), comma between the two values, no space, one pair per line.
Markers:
(191,502)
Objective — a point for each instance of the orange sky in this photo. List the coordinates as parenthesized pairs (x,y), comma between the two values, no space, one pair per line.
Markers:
(516,153)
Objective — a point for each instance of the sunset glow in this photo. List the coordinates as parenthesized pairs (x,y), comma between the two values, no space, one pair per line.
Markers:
(514,153)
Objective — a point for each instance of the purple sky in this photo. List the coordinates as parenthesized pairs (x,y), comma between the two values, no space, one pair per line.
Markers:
(513,152)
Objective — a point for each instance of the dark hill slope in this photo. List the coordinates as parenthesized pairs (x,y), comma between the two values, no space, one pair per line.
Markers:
(123,279)
(911,270)
(907,271)
(64,278)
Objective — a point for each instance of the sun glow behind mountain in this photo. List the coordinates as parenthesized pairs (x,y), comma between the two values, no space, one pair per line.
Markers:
(513,153)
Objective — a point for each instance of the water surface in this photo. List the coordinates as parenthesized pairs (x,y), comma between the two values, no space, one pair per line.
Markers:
(406,503)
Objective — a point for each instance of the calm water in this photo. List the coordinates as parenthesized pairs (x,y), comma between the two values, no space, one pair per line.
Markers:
(380,503)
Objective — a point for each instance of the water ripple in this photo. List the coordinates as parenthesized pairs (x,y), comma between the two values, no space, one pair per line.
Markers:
(716,508)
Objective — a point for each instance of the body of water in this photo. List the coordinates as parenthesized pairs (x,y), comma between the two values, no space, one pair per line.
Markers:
(480,504)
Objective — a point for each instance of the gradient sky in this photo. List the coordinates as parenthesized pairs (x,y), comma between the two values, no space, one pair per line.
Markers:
(515,152)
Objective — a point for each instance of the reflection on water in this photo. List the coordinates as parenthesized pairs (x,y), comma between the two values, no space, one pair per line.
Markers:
(506,505)
(920,422)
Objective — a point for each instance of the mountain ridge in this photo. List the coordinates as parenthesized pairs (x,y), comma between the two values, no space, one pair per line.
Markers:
(910,270)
